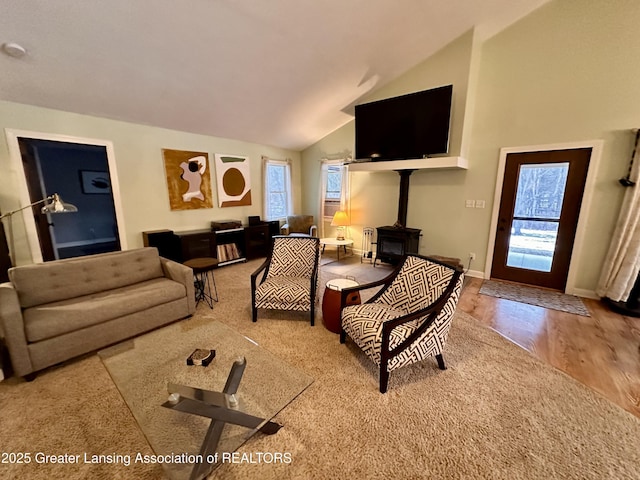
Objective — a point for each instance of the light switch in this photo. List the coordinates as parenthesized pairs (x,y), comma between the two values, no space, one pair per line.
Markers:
(469,204)
(479,203)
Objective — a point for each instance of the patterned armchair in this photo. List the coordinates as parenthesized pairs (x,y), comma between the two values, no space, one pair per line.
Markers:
(300,225)
(290,277)
(408,320)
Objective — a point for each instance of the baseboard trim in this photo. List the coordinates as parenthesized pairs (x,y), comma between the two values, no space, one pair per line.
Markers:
(474,274)
(583,292)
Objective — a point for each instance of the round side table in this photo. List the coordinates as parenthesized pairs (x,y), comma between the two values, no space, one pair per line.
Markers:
(337,243)
(331,302)
(201,268)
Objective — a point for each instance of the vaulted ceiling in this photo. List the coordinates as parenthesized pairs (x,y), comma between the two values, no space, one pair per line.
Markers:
(276,72)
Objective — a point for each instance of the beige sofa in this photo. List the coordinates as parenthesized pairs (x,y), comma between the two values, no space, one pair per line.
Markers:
(55,311)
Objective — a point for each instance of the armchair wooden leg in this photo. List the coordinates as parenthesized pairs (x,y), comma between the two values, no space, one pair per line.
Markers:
(254,313)
(343,336)
(440,360)
(384,379)
(313,314)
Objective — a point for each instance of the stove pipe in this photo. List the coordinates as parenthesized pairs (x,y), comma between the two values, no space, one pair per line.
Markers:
(403,200)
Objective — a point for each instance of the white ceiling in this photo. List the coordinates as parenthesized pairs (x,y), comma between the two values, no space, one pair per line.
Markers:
(276,72)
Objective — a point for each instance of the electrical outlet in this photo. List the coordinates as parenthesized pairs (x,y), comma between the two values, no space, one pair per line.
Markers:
(472,256)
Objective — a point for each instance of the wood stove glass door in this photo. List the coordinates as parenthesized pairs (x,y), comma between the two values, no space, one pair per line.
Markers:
(538,216)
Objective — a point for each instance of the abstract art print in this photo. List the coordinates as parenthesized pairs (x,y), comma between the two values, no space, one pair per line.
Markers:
(93,182)
(188,179)
(233,180)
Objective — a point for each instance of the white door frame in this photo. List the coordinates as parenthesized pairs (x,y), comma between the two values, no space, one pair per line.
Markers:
(23,190)
(596,153)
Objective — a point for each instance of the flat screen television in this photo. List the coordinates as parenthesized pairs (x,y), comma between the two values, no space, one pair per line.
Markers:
(409,126)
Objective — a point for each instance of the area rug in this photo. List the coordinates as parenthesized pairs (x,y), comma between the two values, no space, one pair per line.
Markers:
(325,260)
(535,296)
(497,412)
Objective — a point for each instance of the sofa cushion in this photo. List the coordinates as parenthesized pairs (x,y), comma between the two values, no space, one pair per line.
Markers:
(64,279)
(57,318)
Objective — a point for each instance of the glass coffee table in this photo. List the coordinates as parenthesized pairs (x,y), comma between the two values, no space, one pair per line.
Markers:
(185,410)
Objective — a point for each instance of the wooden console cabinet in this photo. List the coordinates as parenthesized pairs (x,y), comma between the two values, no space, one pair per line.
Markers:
(257,239)
(228,246)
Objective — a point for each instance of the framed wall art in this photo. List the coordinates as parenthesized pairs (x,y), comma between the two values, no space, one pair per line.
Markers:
(93,182)
(233,180)
(188,179)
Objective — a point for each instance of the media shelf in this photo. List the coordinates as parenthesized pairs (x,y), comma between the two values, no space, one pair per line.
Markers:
(230,246)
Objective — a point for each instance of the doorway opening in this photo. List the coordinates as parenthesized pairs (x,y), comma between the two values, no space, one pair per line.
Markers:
(82,172)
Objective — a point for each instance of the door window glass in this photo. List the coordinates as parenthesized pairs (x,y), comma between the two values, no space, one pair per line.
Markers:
(538,205)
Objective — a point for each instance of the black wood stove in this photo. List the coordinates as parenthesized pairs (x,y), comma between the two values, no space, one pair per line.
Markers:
(397,240)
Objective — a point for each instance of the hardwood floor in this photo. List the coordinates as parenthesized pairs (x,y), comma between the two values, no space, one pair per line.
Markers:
(601,351)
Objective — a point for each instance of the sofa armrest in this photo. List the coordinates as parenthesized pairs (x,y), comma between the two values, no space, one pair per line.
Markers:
(313,231)
(284,229)
(12,325)
(181,274)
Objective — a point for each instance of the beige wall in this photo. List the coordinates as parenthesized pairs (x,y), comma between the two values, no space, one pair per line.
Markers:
(566,73)
(140,168)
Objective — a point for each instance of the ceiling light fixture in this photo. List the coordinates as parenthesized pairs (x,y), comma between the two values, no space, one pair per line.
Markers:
(14,50)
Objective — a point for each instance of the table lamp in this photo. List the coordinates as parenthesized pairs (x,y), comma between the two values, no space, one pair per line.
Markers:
(340,220)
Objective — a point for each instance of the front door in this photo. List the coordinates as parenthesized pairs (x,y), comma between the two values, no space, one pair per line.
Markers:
(538,216)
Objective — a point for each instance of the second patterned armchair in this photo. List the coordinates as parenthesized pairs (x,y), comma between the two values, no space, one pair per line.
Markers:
(290,276)
(408,320)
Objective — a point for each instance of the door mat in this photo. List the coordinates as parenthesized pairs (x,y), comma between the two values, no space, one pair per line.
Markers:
(535,296)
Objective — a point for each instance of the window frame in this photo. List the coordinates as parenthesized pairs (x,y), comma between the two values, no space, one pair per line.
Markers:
(332,205)
(268,191)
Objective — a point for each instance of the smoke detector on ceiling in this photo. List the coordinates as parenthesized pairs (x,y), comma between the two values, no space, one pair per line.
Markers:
(14,50)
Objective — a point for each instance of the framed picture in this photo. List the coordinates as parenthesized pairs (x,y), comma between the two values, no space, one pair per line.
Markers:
(188,179)
(233,179)
(95,182)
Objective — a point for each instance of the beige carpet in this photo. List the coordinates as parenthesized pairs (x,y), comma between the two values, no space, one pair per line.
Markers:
(497,412)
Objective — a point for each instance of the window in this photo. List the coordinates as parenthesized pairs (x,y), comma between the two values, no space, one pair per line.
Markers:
(277,188)
(333,192)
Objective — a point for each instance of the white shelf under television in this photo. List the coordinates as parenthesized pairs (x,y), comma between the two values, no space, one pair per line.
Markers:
(440,163)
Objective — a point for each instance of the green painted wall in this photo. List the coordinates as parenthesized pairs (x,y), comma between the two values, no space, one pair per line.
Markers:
(140,169)
(374,196)
(565,73)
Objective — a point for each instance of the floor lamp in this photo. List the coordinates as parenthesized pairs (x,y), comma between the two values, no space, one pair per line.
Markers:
(54,205)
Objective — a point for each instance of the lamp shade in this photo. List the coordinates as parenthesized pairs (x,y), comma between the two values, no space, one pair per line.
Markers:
(54,205)
(58,206)
(340,219)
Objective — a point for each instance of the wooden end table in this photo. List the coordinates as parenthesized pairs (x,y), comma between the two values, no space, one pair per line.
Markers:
(331,302)
(202,269)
